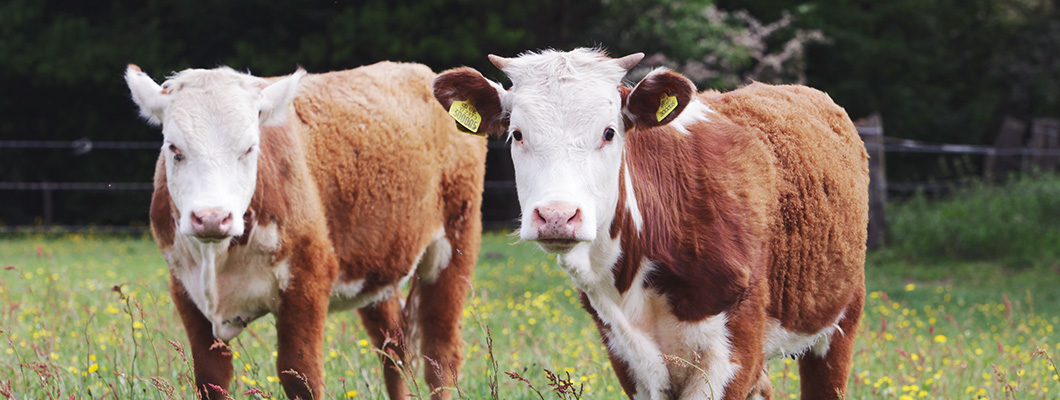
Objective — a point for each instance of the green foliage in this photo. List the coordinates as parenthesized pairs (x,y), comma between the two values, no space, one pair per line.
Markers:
(715,48)
(937,70)
(1016,222)
(62,64)
(945,71)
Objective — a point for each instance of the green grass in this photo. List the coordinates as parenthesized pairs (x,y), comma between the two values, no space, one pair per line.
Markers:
(90,317)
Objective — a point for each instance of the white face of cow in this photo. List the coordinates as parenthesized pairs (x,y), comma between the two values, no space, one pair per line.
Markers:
(211,123)
(566,141)
(567,119)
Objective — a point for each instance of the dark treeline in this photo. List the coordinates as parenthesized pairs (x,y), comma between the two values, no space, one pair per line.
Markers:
(937,70)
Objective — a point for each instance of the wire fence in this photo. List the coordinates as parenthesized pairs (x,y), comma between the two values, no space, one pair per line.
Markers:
(875,143)
(899,145)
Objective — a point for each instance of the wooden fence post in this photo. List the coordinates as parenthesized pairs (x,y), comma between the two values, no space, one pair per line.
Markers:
(871,131)
(1045,135)
(47,204)
(997,167)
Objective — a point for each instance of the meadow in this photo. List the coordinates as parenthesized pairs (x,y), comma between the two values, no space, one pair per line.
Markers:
(90,317)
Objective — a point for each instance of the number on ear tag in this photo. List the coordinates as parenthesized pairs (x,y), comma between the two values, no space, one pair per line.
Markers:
(666,106)
(466,116)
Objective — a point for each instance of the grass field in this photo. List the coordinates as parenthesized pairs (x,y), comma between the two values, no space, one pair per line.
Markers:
(89,317)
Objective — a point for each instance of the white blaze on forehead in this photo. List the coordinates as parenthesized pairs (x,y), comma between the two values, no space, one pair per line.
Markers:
(212,109)
(550,65)
(564,94)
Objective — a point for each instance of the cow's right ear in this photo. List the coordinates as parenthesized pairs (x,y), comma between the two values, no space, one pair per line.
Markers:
(147,94)
(658,99)
(467,87)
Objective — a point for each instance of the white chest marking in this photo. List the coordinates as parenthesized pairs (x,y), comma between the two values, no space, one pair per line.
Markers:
(643,330)
(231,286)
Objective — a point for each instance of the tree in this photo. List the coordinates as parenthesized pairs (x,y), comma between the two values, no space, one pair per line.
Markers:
(61,62)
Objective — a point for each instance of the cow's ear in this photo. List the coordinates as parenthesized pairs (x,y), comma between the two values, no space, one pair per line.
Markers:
(473,100)
(658,99)
(148,95)
(277,96)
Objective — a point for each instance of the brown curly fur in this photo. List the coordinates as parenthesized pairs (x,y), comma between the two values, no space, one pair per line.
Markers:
(760,212)
(367,169)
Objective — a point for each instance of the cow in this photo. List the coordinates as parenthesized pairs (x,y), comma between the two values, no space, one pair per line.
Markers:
(311,193)
(707,232)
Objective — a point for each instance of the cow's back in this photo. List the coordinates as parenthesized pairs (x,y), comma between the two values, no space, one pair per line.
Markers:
(819,224)
(382,152)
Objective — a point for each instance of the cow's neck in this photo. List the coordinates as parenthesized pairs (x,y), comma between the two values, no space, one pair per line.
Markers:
(647,213)
(697,231)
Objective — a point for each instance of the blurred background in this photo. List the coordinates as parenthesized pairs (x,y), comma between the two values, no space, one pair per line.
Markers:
(917,74)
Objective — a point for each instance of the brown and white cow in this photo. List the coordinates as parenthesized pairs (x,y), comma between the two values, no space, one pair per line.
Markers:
(309,193)
(722,229)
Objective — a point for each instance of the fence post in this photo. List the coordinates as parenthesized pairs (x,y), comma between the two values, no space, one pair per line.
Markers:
(1045,135)
(47,189)
(1009,137)
(871,131)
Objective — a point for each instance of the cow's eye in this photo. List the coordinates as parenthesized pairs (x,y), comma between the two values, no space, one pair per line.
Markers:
(177,155)
(609,134)
(246,153)
(518,136)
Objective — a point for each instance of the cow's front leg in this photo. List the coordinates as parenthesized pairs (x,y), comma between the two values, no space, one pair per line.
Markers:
(617,364)
(731,362)
(300,323)
(636,359)
(213,364)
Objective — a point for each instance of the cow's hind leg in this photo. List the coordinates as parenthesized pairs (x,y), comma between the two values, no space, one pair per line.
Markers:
(441,301)
(825,376)
(213,364)
(384,323)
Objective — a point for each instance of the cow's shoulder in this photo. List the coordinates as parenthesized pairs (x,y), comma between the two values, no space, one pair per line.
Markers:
(704,196)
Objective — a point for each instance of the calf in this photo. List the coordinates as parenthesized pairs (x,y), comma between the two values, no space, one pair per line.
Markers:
(309,193)
(706,232)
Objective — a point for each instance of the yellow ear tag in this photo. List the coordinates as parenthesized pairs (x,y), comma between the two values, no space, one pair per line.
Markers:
(666,106)
(466,116)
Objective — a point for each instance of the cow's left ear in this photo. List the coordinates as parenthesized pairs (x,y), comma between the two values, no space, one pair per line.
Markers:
(658,99)
(147,94)
(277,96)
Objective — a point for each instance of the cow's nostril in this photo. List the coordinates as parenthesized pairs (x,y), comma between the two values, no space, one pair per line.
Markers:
(576,218)
(538,218)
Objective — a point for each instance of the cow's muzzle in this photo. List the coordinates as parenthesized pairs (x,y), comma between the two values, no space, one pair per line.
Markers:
(557,225)
(211,224)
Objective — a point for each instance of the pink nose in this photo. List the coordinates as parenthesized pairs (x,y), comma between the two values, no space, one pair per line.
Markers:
(557,221)
(211,223)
